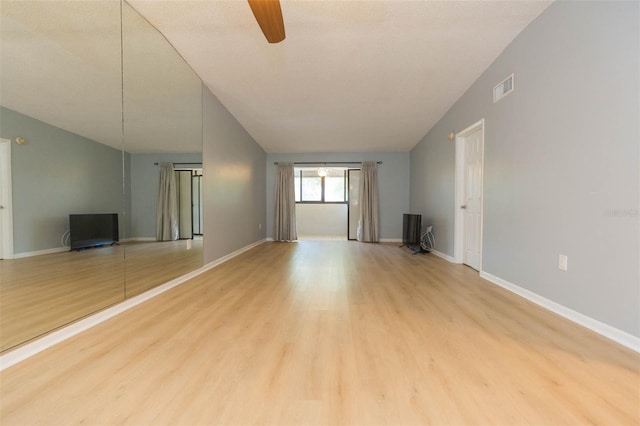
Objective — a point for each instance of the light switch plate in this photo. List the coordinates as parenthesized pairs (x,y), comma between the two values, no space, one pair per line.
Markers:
(562,262)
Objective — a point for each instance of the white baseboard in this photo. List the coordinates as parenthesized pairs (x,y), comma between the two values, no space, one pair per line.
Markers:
(39,252)
(444,256)
(230,256)
(23,352)
(154,239)
(382,240)
(323,237)
(619,336)
(66,248)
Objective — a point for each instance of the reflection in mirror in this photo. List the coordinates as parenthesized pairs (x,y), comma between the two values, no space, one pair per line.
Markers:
(162,125)
(61,98)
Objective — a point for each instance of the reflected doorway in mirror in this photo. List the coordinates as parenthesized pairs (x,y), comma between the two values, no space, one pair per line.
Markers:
(6,209)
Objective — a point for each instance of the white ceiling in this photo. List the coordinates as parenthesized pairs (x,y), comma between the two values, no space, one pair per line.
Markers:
(350,75)
(61,63)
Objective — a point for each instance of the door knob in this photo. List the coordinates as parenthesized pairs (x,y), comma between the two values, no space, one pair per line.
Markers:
(463,207)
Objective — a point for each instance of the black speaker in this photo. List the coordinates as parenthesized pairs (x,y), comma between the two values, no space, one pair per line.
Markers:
(411,227)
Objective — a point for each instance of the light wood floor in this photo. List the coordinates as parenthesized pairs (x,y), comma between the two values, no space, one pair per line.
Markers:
(150,263)
(329,332)
(41,293)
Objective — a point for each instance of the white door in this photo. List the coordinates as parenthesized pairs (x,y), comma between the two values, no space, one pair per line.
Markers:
(353,176)
(6,223)
(472,199)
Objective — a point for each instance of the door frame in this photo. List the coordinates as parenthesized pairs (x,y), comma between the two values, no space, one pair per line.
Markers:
(458,229)
(198,178)
(176,171)
(7,222)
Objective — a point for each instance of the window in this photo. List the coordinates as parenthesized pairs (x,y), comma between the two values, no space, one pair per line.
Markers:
(313,188)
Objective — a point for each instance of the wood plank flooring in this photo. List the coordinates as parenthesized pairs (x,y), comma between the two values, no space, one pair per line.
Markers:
(335,333)
(41,293)
(150,263)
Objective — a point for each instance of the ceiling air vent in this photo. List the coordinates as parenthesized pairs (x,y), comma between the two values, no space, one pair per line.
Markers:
(503,88)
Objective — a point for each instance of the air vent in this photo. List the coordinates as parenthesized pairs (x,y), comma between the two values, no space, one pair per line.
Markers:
(503,88)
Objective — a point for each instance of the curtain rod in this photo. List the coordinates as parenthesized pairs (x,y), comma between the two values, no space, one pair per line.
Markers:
(324,163)
(155,164)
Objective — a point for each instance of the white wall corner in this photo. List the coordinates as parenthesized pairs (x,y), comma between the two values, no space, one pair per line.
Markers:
(617,335)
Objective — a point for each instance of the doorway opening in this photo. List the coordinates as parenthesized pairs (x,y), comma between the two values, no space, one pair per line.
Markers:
(189,197)
(322,197)
(469,172)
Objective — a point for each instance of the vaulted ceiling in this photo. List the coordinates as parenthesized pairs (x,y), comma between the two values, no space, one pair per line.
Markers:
(350,75)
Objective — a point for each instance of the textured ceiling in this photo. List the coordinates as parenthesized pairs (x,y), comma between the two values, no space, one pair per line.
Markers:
(61,63)
(351,75)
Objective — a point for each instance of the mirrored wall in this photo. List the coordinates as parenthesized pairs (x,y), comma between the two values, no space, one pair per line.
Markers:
(165,128)
(93,100)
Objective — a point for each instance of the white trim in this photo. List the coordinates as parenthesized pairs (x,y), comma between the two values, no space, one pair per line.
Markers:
(23,352)
(444,256)
(617,335)
(390,240)
(67,248)
(323,237)
(458,226)
(230,256)
(482,203)
(40,252)
(7,231)
(382,240)
(458,214)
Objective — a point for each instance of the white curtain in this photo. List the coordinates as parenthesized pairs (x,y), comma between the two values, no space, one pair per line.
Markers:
(167,208)
(285,205)
(368,199)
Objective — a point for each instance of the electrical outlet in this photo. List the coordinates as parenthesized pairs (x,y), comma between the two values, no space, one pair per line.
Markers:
(259,226)
(562,262)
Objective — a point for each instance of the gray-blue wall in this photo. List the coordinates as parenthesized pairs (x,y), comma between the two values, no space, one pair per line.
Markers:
(54,174)
(561,161)
(393,183)
(234,189)
(145,182)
